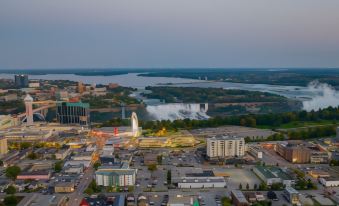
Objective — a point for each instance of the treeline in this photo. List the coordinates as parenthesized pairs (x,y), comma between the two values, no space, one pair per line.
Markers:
(261,120)
(313,132)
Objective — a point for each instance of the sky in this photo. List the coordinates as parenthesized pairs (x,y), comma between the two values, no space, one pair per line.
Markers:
(168,33)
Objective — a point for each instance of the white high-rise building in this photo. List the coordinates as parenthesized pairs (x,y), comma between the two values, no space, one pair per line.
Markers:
(225,146)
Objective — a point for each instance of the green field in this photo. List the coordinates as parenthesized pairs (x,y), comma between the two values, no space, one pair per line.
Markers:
(299,124)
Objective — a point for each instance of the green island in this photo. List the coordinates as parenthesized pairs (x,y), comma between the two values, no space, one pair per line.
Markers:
(225,101)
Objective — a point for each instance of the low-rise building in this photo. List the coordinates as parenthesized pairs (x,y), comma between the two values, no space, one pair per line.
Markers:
(292,195)
(64,187)
(271,175)
(34,175)
(150,159)
(255,151)
(329,181)
(62,154)
(200,182)
(3,145)
(84,156)
(74,169)
(238,198)
(84,163)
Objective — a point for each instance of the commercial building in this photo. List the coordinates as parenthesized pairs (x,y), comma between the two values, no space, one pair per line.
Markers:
(74,169)
(225,147)
(62,154)
(34,84)
(9,97)
(318,157)
(294,153)
(73,113)
(84,163)
(115,175)
(21,80)
(238,198)
(271,175)
(152,142)
(255,151)
(64,187)
(292,195)
(116,200)
(329,181)
(84,156)
(150,159)
(7,121)
(200,182)
(34,175)
(3,145)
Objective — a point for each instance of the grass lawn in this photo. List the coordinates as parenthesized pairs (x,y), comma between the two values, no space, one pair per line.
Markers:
(298,124)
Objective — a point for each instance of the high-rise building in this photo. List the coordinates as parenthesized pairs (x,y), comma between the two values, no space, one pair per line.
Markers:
(21,80)
(29,109)
(81,87)
(73,113)
(3,146)
(225,147)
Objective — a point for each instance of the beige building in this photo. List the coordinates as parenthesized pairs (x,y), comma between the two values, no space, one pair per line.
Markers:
(64,187)
(225,146)
(3,146)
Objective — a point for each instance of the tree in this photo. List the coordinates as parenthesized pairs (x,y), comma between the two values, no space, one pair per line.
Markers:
(12,172)
(169,176)
(240,186)
(32,156)
(247,186)
(152,167)
(11,200)
(159,159)
(96,165)
(58,166)
(25,145)
(262,186)
(10,190)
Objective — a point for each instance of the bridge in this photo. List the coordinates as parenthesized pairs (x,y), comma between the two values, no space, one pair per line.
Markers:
(41,111)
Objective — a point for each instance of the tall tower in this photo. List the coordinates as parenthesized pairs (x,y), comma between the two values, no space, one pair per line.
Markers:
(29,109)
(135,125)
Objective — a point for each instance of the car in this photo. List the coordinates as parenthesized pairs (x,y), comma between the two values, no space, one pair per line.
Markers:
(272,196)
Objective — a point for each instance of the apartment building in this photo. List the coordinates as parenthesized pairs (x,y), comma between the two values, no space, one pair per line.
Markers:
(225,146)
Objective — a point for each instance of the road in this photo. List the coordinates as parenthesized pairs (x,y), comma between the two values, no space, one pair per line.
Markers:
(76,197)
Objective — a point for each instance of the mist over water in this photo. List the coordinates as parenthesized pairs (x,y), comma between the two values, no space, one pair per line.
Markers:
(177,111)
(326,96)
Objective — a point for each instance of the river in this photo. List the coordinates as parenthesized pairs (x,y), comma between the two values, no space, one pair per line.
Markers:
(314,96)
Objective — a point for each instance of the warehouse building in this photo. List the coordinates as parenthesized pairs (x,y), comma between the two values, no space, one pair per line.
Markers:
(200,182)
(271,175)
